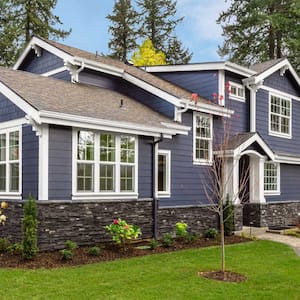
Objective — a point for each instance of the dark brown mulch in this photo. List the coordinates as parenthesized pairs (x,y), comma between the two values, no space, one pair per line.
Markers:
(109,252)
(223,276)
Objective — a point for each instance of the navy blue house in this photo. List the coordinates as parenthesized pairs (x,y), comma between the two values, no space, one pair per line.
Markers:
(76,127)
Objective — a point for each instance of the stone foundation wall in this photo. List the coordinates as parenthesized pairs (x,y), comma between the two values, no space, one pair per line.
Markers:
(271,214)
(83,221)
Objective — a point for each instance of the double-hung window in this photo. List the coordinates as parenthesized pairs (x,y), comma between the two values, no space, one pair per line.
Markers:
(106,163)
(271,178)
(280,116)
(10,162)
(202,138)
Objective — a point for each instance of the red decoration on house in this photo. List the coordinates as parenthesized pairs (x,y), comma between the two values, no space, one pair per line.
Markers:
(195,97)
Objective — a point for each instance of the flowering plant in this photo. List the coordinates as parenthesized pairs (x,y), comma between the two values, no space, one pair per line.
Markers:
(122,232)
(3,218)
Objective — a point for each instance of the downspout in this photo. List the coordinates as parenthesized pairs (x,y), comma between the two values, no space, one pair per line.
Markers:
(76,75)
(154,195)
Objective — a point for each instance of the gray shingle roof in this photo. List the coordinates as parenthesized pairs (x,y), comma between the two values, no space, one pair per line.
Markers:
(134,71)
(60,96)
(262,67)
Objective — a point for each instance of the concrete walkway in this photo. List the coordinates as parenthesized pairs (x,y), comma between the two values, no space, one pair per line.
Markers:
(262,234)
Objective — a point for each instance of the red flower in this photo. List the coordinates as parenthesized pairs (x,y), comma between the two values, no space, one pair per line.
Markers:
(221,97)
(194,96)
(116,221)
(215,95)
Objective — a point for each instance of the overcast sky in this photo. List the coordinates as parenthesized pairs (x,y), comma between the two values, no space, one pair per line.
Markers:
(198,31)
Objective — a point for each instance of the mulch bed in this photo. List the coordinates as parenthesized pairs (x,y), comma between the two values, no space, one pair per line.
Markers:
(223,276)
(108,252)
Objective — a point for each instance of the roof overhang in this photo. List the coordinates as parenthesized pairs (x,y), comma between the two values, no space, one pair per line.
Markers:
(215,66)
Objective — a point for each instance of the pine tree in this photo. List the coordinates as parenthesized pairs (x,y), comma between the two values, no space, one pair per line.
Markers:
(158,24)
(147,55)
(260,30)
(20,20)
(123,29)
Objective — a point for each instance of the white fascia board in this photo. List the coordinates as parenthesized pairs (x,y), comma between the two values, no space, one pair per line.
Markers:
(180,129)
(229,66)
(49,117)
(36,41)
(55,71)
(13,123)
(20,102)
(278,92)
(211,109)
(270,71)
(286,159)
(97,66)
(151,89)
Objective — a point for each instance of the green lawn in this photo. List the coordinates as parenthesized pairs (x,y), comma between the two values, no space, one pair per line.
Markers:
(273,272)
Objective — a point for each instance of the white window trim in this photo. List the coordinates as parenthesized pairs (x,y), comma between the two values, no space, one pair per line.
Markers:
(13,195)
(275,192)
(236,97)
(98,194)
(202,161)
(167,193)
(275,133)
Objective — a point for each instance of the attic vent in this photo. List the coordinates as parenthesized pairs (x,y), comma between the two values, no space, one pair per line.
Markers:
(122,105)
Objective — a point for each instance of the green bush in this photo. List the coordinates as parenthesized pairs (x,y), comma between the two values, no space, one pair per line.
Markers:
(181,229)
(228,215)
(70,245)
(94,251)
(4,244)
(66,254)
(191,237)
(153,244)
(211,233)
(29,229)
(167,240)
(15,249)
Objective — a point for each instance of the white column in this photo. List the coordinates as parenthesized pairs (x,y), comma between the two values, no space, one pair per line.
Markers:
(43,162)
(231,179)
(257,179)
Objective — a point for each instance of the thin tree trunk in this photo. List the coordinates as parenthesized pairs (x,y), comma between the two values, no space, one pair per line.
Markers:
(222,238)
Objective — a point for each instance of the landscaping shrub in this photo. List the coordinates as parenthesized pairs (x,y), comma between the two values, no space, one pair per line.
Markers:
(228,213)
(94,251)
(66,254)
(211,233)
(15,249)
(153,244)
(4,244)
(29,229)
(70,245)
(191,237)
(181,229)
(167,240)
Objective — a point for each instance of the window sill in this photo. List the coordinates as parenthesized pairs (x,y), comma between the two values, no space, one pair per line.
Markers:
(276,134)
(236,98)
(10,196)
(271,193)
(104,196)
(163,195)
(203,163)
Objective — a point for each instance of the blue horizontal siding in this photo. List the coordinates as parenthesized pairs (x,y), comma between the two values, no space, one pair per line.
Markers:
(290,187)
(30,164)
(60,163)
(8,110)
(187,180)
(65,75)
(39,65)
(204,83)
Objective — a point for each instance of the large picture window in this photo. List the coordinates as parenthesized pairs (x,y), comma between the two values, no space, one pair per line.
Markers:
(10,161)
(106,163)
(202,138)
(271,178)
(280,116)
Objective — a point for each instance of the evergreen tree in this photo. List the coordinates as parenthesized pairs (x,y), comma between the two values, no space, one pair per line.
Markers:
(147,55)
(158,24)
(260,30)
(123,29)
(20,20)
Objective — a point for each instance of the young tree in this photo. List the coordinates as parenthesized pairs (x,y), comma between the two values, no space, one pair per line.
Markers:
(260,30)
(158,24)
(21,19)
(123,29)
(176,54)
(148,56)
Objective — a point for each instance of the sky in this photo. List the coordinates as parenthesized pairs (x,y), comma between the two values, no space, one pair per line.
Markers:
(198,31)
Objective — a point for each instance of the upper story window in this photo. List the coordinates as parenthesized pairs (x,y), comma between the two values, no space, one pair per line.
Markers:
(236,91)
(105,163)
(10,161)
(271,178)
(202,139)
(280,116)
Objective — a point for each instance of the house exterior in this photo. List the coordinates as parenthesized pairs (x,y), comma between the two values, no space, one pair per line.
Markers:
(93,139)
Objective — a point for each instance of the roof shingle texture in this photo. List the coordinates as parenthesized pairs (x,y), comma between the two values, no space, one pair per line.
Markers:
(56,95)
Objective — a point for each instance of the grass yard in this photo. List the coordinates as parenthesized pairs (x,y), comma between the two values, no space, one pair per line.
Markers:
(273,272)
